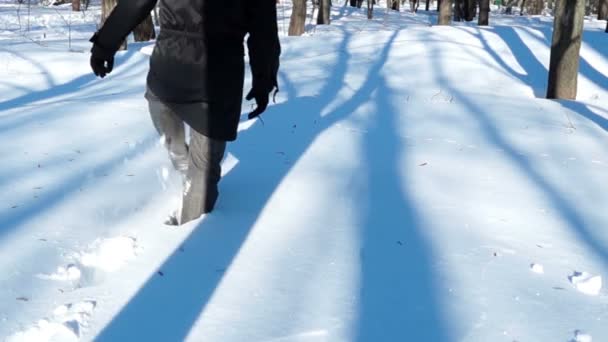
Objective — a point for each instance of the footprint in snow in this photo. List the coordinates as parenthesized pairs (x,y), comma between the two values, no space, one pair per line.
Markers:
(580,336)
(537,268)
(67,324)
(586,283)
(103,256)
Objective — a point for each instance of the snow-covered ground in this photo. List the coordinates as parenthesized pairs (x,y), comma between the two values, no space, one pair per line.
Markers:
(410,184)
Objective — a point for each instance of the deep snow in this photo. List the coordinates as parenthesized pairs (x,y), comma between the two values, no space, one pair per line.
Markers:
(408,185)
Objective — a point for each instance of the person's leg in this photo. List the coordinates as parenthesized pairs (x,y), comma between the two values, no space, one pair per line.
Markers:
(171,128)
(202,177)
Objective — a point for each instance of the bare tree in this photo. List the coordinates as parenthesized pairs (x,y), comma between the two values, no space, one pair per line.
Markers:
(155,15)
(538,7)
(298,18)
(484,13)
(144,31)
(469,8)
(458,10)
(414,5)
(76,5)
(534,7)
(445,12)
(509,6)
(323,18)
(602,12)
(370,9)
(396,4)
(465,9)
(565,49)
(428,5)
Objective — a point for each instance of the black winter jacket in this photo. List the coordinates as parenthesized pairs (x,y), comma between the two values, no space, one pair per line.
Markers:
(197,63)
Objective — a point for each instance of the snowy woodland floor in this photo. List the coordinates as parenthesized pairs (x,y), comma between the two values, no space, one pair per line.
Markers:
(410,184)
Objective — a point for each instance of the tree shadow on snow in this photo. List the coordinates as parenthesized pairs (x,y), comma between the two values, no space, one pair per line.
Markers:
(534,70)
(398,292)
(53,195)
(396,299)
(592,39)
(53,90)
(536,74)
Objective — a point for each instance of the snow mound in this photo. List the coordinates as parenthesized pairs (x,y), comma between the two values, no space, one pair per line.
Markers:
(580,336)
(66,325)
(537,268)
(64,273)
(147,50)
(104,256)
(586,283)
(110,254)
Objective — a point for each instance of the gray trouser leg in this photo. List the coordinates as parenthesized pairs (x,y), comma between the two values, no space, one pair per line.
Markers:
(171,127)
(203,176)
(200,162)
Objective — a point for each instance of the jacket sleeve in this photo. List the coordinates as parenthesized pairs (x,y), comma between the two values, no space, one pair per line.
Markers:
(263,44)
(124,18)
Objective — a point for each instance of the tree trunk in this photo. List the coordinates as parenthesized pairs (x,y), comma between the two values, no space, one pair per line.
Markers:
(484,13)
(539,6)
(445,12)
(370,9)
(587,7)
(509,4)
(298,18)
(76,5)
(565,49)
(155,20)
(470,10)
(396,5)
(602,12)
(458,10)
(521,8)
(106,8)
(438,5)
(428,5)
(323,18)
(145,30)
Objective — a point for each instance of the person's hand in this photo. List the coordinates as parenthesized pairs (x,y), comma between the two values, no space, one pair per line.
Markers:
(261,99)
(102,62)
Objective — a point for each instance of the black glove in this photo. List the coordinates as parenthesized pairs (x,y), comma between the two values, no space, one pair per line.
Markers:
(261,99)
(102,60)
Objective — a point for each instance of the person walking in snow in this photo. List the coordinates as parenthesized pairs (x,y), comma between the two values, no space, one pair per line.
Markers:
(196,78)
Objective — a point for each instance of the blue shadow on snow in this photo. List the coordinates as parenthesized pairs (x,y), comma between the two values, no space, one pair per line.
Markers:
(396,295)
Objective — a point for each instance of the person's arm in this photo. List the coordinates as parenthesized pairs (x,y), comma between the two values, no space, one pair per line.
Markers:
(124,18)
(264,51)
